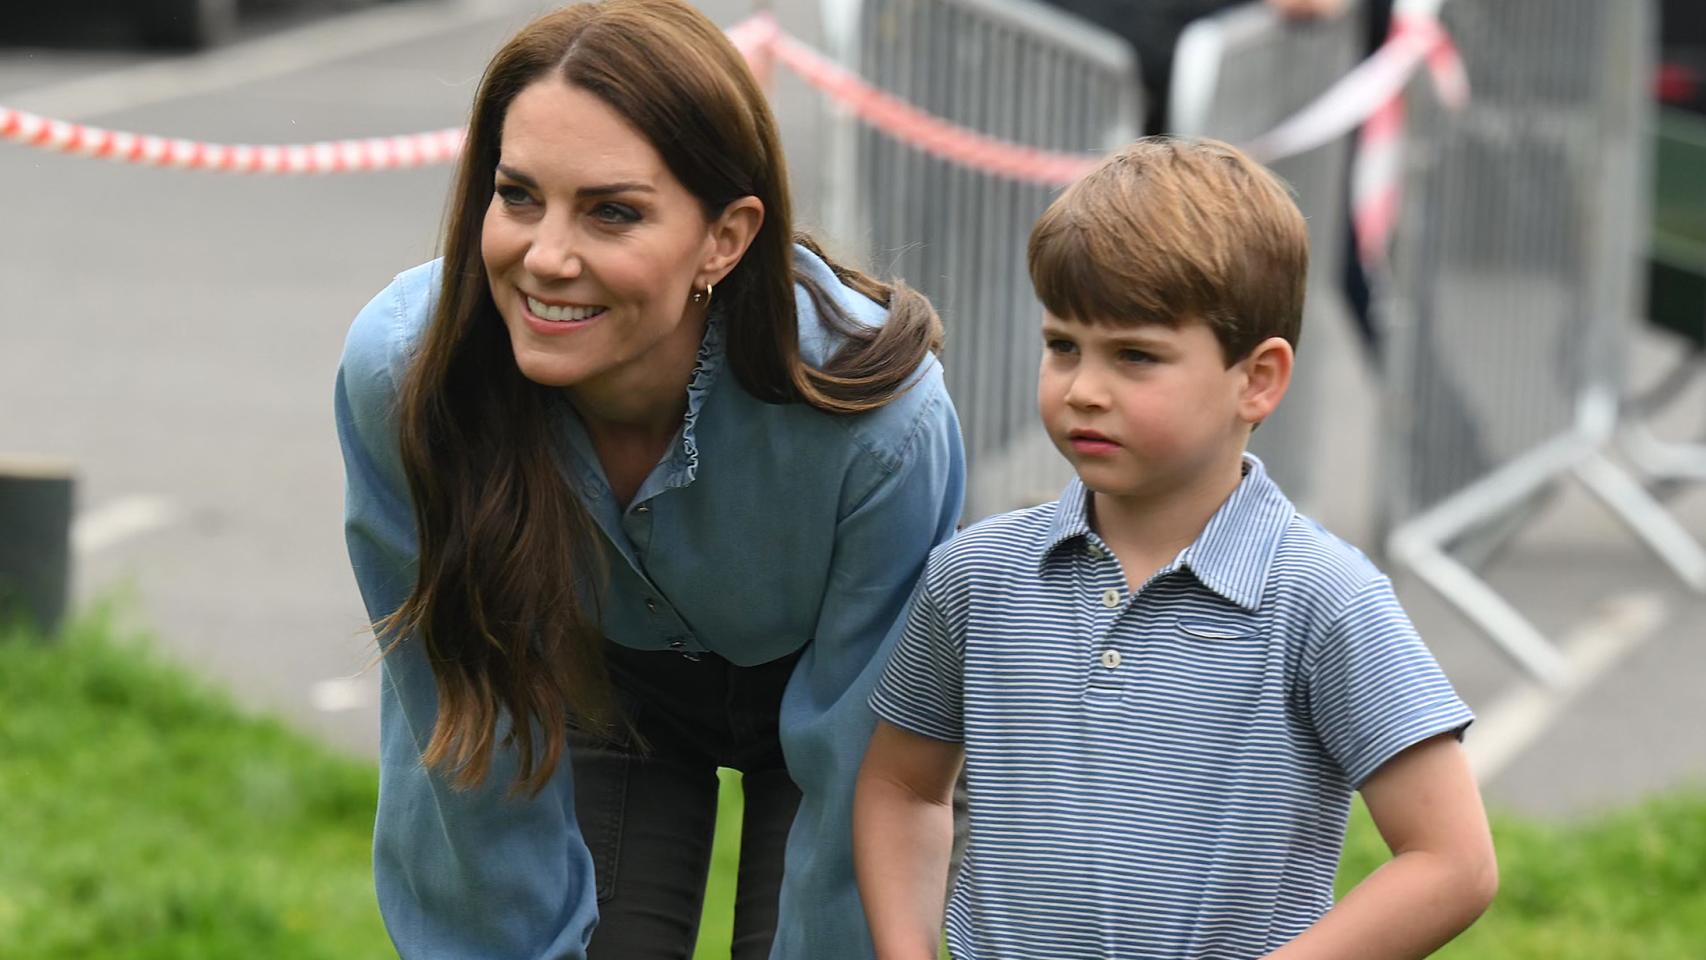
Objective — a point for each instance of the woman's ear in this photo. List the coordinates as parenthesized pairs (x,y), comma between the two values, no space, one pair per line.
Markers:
(730,234)
(1267,374)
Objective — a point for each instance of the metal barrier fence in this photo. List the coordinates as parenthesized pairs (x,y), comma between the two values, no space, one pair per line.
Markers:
(1011,69)
(1514,289)
(1237,75)
(1676,296)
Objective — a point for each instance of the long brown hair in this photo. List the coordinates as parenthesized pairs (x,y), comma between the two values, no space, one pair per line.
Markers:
(509,559)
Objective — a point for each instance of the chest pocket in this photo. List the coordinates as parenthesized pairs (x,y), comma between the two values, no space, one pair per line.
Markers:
(1210,672)
(1218,627)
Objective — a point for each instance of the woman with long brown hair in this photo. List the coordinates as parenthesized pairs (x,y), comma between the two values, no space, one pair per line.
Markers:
(638,487)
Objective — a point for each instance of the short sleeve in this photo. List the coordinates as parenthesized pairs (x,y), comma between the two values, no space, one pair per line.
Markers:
(1374,689)
(921,688)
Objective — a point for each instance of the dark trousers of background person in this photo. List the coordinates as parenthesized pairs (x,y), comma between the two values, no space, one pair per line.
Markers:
(1358,295)
(648,809)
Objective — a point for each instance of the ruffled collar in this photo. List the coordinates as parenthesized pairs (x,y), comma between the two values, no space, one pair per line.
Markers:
(681,463)
(706,367)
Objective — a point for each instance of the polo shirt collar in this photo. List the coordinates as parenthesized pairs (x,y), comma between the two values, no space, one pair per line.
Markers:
(1234,552)
(1231,556)
(1071,519)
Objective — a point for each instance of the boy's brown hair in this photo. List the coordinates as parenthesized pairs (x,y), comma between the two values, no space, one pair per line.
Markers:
(1170,231)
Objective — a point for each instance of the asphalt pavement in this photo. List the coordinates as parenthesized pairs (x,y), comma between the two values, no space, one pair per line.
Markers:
(176,335)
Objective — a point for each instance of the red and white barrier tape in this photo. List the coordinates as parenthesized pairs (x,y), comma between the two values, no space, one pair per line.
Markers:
(1369,87)
(758,38)
(1372,89)
(1378,175)
(925,132)
(343,156)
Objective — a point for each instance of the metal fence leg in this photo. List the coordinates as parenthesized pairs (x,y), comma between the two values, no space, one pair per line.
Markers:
(1512,632)
(1663,459)
(1647,517)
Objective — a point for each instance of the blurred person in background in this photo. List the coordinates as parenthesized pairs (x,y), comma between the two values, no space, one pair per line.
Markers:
(637,487)
(1153,27)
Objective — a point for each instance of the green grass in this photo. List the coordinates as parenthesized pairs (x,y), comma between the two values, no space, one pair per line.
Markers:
(143,817)
(1628,885)
(717,924)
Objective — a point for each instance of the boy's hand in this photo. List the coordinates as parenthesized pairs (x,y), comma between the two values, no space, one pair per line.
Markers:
(903,835)
(1442,874)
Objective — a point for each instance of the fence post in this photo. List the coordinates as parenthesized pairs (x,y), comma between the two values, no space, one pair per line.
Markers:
(35,541)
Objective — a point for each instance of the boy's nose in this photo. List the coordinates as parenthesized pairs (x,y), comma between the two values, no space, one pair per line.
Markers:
(1086,392)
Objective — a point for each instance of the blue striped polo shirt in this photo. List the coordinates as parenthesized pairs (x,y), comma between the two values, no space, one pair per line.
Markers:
(1166,772)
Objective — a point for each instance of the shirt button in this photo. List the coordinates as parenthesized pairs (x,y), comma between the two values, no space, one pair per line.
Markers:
(677,644)
(651,605)
(1095,552)
(1110,598)
(643,508)
(1110,658)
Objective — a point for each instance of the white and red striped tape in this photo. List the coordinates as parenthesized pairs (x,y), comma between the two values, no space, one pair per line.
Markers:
(758,38)
(1372,89)
(343,156)
(920,130)
(1378,177)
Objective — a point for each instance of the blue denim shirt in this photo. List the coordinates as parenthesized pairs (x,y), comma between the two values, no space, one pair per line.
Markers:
(764,529)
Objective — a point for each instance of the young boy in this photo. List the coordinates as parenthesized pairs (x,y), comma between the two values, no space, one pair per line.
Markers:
(1166,685)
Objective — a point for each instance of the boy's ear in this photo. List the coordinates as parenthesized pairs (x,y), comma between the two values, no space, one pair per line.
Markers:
(1267,374)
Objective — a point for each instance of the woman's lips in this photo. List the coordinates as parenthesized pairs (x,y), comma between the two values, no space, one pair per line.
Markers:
(549,319)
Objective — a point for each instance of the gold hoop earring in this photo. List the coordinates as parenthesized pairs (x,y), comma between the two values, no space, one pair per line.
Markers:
(703,296)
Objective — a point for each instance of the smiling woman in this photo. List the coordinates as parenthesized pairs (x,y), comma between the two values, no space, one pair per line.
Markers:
(591,249)
(635,476)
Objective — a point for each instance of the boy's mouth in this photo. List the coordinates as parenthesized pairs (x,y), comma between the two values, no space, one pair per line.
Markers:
(1091,441)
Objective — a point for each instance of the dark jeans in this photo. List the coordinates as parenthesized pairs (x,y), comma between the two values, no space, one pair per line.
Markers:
(648,810)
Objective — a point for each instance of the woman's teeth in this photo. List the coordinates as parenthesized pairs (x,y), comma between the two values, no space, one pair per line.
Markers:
(545,311)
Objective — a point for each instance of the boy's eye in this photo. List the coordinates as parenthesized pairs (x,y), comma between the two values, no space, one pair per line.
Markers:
(1136,356)
(512,195)
(616,213)
(1057,345)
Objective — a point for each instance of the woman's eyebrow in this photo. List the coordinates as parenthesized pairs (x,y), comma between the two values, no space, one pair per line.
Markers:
(599,190)
(604,190)
(518,176)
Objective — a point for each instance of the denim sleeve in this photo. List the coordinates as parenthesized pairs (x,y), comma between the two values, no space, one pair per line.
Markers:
(881,545)
(472,874)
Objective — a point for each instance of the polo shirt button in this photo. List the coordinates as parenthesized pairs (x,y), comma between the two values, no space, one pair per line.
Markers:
(651,605)
(1110,658)
(643,508)
(1095,552)
(1110,598)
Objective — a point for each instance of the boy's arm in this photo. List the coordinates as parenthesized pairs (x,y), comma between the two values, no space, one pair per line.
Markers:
(1442,874)
(903,834)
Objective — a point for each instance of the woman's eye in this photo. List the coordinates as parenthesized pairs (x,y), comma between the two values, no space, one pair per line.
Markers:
(512,195)
(616,213)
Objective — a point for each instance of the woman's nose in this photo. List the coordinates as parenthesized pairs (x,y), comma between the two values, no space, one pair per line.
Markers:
(553,253)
